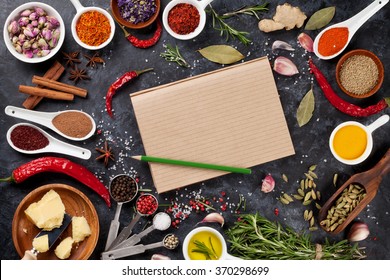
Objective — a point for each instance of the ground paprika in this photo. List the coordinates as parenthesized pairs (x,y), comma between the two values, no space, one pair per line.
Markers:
(183,18)
(333,41)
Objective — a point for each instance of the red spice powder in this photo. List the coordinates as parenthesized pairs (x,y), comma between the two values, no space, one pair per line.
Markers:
(93,28)
(183,18)
(333,41)
(28,138)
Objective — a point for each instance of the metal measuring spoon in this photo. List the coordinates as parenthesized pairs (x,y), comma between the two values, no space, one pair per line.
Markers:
(114,226)
(136,238)
(138,249)
(127,231)
(46,119)
(54,146)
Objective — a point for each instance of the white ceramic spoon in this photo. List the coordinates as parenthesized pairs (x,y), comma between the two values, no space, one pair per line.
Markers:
(54,146)
(46,119)
(353,24)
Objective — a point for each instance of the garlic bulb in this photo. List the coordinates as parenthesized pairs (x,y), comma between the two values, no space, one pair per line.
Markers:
(358,232)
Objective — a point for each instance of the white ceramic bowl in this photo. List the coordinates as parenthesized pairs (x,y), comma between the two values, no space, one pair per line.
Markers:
(81,10)
(15,14)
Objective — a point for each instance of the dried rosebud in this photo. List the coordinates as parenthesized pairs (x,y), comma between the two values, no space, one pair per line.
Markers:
(160,257)
(34,23)
(285,66)
(14,40)
(54,22)
(34,45)
(306,42)
(33,16)
(41,21)
(42,43)
(26,13)
(13,27)
(28,53)
(281,45)
(268,184)
(18,48)
(22,38)
(23,21)
(358,232)
(47,34)
(26,45)
(39,11)
(43,53)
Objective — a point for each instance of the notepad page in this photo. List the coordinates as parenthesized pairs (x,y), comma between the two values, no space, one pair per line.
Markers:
(232,116)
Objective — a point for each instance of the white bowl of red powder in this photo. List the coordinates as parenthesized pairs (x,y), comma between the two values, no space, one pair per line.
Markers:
(185,19)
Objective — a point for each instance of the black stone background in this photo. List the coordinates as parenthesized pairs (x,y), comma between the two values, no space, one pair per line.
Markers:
(310,141)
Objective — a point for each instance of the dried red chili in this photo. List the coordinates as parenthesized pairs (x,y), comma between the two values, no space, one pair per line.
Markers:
(59,165)
(147,43)
(183,18)
(341,104)
(128,76)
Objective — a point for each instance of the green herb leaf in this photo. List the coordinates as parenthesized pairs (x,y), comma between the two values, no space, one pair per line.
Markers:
(320,18)
(203,249)
(222,54)
(306,108)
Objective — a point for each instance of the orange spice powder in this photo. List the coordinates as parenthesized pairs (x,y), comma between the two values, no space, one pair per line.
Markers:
(93,28)
(333,40)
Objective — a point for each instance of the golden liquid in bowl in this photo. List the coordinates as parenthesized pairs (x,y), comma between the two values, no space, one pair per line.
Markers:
(350,142)
(210,240)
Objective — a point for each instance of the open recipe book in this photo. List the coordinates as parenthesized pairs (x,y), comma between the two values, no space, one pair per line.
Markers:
(231,116)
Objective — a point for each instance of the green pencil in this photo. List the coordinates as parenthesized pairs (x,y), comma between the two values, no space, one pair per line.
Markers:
(193,164)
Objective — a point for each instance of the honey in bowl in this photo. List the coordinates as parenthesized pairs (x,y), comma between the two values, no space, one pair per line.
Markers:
(350,142)
(205,240)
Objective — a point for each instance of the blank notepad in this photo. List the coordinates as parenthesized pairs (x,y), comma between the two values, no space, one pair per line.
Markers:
(232,116)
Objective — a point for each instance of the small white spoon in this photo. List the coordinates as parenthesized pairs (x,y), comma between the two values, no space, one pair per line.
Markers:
(46,119)
(54,146)
(353,24)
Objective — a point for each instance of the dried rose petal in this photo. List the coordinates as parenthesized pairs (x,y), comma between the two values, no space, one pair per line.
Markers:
(268,184)
(306,42)
(285,66)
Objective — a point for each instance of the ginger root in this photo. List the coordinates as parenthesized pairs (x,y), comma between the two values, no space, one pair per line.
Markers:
(286,16)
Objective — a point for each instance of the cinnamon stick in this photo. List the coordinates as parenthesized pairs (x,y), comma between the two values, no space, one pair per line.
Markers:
(44,82)
(54,73)
(53,94)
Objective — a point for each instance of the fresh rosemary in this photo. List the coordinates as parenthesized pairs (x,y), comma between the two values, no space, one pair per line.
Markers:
(172,54)
(254,237)
(206,251)
(229,31)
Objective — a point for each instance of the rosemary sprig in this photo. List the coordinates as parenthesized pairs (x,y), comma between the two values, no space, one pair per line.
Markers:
(172,54)
(247,10)
(205,205)
(226,29)
(206,251)
(255,237)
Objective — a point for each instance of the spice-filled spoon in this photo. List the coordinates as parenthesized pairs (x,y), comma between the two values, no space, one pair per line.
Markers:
(161,221)
(352,197)
(146,205)
(123,188)
(170,242)
(29,139)
(340,34)
(71,124)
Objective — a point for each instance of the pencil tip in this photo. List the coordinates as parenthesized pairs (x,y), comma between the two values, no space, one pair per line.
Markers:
(136,157)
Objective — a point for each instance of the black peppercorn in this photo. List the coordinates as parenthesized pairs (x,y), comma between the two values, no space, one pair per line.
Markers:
(123,188)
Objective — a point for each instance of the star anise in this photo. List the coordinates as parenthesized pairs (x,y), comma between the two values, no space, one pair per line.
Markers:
(77,74)
(106,154)
(92,60)
(71,58)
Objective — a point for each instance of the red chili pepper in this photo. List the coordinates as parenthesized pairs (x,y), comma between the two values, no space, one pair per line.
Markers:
(143,44)
(118,84)
(341,104)
(59,165)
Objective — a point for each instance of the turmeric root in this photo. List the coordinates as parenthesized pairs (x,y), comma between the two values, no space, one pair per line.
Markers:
(286,16)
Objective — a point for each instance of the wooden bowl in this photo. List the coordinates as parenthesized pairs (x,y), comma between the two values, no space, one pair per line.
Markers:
(378,64)
(122,21)
(76,204)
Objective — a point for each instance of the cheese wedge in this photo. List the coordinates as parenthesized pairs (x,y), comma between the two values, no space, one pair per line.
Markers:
(64,249)
(41,243)
(47,213)
(80,229)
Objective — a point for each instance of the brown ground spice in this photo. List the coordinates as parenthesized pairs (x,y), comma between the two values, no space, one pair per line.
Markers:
(73,124)
(359,74)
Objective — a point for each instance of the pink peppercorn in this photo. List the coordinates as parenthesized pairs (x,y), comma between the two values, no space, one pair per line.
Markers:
(147,204)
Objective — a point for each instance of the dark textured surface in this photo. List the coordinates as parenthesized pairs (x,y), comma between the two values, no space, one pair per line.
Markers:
(310,141)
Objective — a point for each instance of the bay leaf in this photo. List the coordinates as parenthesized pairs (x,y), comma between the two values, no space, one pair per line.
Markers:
(320,18)
(222,54)
(306,108)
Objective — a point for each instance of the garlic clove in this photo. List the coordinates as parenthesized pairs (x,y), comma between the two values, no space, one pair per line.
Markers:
(158,257)
(306,42)
(285,66)
(213,217)
(358,232)
(282,46)
(268,184)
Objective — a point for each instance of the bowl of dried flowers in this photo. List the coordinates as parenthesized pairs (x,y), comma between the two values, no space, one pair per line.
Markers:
(135,14)
(359,73)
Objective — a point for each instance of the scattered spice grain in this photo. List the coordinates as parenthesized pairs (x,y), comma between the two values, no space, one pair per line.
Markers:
(73,124)
(28,138)
(359,74)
